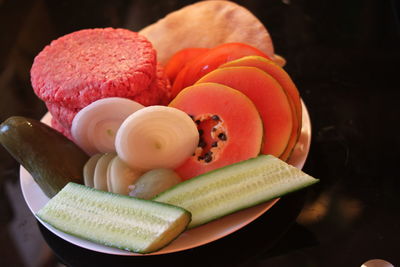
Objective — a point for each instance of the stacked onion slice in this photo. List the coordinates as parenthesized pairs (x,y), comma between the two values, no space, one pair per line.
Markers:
(156,137)
(94,127)
(134,148)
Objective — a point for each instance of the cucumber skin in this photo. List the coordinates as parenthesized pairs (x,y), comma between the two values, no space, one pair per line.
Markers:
(52,159)
(72,184)
(194,180)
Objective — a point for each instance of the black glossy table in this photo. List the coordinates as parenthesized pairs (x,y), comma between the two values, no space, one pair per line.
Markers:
(344,57)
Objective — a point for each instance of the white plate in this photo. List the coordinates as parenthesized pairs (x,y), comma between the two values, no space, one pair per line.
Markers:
(36,199)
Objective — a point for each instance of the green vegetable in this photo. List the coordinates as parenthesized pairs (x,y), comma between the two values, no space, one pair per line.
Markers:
(235,187)
(114,220)
(52,159)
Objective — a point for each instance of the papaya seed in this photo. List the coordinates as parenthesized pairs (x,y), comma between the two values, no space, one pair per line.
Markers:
(215,118)
(222,136)
(208,157)
(202,143)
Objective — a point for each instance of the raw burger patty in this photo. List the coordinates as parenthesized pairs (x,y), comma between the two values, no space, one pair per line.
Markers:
(158,92)
(90,64)
(55,124)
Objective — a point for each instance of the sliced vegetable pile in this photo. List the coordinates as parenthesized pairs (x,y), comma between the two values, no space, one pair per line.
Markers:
(218,146)
(156,137)
(94,128)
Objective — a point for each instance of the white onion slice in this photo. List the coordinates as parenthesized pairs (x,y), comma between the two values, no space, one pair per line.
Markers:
(100,172)
(120,176)
(88,169)
(156,137)
(153,183)
(94,127)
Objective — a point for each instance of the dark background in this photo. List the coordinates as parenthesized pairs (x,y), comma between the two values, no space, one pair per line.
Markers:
(344,57)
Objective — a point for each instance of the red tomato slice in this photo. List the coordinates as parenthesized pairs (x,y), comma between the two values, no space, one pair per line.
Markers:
(177,86)
(179,60)
(209,61)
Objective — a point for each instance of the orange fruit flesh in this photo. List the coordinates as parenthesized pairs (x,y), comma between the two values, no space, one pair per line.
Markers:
(268,97)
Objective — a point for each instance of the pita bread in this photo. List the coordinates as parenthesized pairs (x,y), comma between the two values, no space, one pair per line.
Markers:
(207,24)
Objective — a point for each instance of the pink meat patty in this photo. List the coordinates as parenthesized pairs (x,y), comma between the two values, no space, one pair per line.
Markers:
(55,124)
(90,64)
(158,93)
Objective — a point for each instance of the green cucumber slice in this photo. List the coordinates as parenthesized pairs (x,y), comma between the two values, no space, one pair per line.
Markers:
(128,223)
(235,187)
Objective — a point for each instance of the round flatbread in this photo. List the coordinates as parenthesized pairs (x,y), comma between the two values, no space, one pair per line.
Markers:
(207,24)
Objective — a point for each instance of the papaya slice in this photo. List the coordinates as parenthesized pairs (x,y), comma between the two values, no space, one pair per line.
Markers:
(269,98)
(229,124)
(209,61)
(287,84)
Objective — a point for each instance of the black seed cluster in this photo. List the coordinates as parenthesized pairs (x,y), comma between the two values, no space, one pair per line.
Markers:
(222,136)
(202,143)
(208,157)
(215,117)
